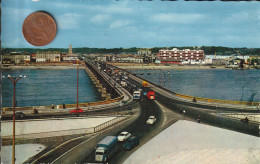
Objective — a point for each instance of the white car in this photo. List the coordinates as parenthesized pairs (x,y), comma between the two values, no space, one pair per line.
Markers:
(151,120)
(123,136)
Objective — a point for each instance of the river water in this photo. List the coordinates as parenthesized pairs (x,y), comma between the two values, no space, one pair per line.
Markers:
(48,86)
(225,84)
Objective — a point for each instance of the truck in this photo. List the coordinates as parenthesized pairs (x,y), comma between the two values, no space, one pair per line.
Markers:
(106,148)
(151,95)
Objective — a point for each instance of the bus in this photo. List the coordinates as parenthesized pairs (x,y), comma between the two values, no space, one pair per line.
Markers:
(137,95)
(106,148)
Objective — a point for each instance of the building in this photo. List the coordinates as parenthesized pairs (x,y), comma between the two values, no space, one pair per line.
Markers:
(33,58)
(185,56)
(69,58)
(229,57)
(48,57)
(15,57)
(129,59)
(144,52)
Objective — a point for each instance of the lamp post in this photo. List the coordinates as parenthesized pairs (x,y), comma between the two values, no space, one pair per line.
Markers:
(77,84)
(14,81)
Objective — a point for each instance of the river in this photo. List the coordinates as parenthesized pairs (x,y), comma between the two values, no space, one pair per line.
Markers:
(225,84)
(48,86)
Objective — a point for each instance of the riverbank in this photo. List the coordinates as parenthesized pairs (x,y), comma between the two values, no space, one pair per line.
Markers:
(171,66)
(43,67)
(162,66)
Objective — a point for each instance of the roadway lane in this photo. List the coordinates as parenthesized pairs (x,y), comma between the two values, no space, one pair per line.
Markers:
(139,128)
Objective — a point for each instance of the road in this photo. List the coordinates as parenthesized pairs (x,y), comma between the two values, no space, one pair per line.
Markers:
(139,128)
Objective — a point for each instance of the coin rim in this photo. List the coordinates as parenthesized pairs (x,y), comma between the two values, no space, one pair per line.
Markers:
(49,16)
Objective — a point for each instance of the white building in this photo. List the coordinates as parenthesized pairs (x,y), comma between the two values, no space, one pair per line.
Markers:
(48,57)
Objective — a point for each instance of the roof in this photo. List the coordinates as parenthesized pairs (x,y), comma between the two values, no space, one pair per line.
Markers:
(107,140)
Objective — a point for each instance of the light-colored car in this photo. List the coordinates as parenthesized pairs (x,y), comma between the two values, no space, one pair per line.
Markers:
(123,136)
(151,120)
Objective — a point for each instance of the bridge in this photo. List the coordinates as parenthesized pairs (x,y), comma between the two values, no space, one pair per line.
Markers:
(169,107)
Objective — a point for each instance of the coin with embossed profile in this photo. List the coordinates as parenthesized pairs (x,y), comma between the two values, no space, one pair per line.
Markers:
(39,28)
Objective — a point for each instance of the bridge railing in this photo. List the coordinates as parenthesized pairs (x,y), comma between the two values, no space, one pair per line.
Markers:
(109,123)
(243,116)
(94,103)
(87,104)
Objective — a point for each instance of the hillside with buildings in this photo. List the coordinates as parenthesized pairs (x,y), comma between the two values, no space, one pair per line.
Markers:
(230,57)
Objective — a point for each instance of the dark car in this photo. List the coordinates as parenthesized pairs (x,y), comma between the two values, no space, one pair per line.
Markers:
(19,115)
(131,143)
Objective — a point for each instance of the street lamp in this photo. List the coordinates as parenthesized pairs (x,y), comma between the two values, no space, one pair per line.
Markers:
(14,80)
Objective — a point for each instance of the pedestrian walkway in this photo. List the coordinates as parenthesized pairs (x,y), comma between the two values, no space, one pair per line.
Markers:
(187,142)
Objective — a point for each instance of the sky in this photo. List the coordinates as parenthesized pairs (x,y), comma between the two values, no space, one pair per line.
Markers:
(134,23)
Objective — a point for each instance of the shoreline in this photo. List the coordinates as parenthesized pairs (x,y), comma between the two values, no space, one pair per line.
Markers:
(42,67)
(122,66)
(173,67)
(130,66)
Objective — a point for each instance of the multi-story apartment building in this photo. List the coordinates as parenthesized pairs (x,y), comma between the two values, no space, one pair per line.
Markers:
(69,58)
(15,58)
(48,57)
(181,56)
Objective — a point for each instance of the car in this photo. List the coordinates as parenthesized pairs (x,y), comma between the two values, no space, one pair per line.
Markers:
(131,143)
(19,114)
(123,136)
(76,111)
(151,120)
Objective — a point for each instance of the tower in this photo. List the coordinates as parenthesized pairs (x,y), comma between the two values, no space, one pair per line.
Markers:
(70,50)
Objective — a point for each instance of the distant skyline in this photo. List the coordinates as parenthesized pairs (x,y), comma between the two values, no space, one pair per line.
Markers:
(126,24)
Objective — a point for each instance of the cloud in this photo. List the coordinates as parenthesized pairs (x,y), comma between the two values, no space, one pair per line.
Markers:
(16,14)
(240,17)
(119,8)
(120,23)
(68,21)
(115,9)
(100,18)
(12,43)
(177,18)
